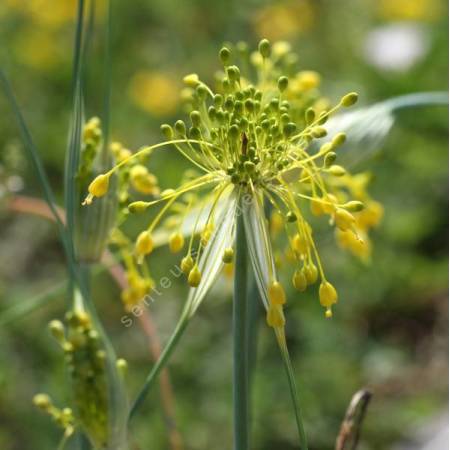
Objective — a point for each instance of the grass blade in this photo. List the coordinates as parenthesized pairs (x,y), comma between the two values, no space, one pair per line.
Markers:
(32,154)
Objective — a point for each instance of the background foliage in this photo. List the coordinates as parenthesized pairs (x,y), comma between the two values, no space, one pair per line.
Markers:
(389,331)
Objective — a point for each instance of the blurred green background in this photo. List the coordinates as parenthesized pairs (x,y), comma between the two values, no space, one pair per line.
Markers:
(389,332)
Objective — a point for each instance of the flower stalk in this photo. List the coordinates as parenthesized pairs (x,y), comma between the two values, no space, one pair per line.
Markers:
(241,342)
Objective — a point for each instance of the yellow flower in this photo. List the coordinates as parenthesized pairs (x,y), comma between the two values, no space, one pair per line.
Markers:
(154,92)
(284,20)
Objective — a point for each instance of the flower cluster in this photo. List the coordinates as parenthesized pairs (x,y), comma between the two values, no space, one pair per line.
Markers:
(265,139)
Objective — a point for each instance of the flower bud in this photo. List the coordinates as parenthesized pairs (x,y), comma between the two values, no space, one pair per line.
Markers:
(224,55)
(275,316)
(176,242)
(300,244)
(337,171)
(228,255)
(264,48)
(276,294)
(191,80)
(167,131)
(97,188)
(187,263)
(283,83)
(327,294)
(299,280)
(311,273)
(310,115)
(42,401)
(343,219)
(144,243)
(349,99)
(137,207)
(354,206)
(319,132)
(329,159)
(338,140)
(194,277)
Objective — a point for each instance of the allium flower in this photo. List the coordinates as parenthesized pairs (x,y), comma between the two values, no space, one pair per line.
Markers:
(252,144)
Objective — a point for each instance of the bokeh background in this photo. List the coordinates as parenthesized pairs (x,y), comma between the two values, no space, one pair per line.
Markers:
(390,329)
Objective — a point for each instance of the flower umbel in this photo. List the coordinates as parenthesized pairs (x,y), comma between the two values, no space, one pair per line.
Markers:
(266,141)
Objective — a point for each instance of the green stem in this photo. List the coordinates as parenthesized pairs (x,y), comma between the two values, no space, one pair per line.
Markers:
(292,387)
(240,343)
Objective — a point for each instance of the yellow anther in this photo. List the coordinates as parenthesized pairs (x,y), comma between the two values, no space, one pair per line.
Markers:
(327,294)
(194,277)
(176,242)
(228,255)
(299,280)
(276,294)
(328,313)
(343,219)
(275,316)
(97,188)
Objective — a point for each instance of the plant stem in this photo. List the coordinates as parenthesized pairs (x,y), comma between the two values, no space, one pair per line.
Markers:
(240,343)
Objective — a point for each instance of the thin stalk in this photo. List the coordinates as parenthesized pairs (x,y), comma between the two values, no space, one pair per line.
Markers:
(292,387)
(240,343)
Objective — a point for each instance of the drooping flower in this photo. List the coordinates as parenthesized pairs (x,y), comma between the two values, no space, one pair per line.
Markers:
(253,147)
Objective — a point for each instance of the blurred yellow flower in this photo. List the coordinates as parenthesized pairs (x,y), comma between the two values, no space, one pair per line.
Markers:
(37,49)
(427,10)
(284,20)
(154,92)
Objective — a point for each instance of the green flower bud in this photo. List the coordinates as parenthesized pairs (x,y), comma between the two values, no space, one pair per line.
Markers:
(233,73)
(225,55)
(195,133)
(180,127)
(319,132)
(338,140)
(337,171)
(137,207)
(195,118)
(354,206)
(310,115)
(228,255)
(218,100)
(349,99)
(283,83)
(289,129)
(264,48)
(329,159)
(167,131)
